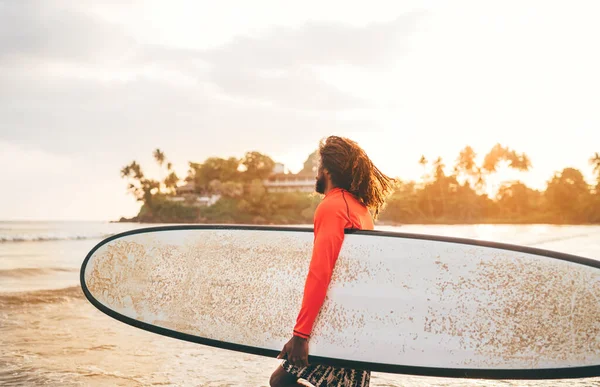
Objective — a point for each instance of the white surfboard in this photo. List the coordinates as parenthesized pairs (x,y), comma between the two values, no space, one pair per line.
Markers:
(397,303)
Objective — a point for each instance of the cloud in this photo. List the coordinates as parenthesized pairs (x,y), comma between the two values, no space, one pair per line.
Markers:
(282,65)
(24,161)
(39,30)
(278,69)
(82,115)
(317,43)
(72,83)
(298,88)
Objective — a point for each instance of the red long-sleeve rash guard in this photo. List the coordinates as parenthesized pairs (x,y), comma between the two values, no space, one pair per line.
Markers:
(339,210)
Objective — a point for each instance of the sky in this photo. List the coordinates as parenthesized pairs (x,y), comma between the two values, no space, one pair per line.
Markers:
(88,86)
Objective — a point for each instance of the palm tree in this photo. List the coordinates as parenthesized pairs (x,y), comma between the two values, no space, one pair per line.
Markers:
(171,182)
(136,169)
(466,161)
(438,168)
(135,178)
(440,180)
(126,171)
(595,162)
(494,158)
(465,165)
(423,161)
(159,156)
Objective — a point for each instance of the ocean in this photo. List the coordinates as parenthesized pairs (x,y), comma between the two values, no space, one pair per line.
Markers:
(51,335)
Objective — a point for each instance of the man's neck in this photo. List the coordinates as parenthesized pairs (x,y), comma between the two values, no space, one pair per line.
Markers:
(329,189)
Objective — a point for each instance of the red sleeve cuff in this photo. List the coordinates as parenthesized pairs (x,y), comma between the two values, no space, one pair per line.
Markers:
(300,334)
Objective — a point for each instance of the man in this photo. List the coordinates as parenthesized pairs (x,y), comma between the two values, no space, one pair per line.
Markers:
(352,185)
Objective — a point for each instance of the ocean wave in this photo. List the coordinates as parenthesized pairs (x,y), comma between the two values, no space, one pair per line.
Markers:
(33,271)
(560,238)
(40,296)
(5,238)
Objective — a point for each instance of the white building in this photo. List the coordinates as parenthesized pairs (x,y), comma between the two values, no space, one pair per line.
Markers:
(187,194)
(206,201)
(289,182)
(279,169)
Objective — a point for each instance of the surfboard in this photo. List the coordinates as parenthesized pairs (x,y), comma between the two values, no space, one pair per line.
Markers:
(397,303)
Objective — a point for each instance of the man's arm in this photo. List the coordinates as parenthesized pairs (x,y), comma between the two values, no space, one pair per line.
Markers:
(330,223)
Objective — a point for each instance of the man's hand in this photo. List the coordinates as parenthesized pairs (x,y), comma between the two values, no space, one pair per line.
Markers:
(295,351)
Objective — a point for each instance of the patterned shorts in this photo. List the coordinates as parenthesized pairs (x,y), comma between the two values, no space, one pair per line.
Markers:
(327,376)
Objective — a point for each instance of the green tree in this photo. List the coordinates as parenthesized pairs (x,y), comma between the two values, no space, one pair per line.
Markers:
(438,169)
(595,162)
(465,164)
(143,188)
(133,170)
(226,210)
(518,161)
(402,205)
(232,189)
(440,183)
(215,186)
(492,158)
(171,181)
(138,185)
(440,197)
(518,201)
(467,169)
(159,156)
(311,165)
(256,192)
(290,207)
(568,195)
(423,162)
(164,211)
(497,156)
(464,202)
(213,168)
(257,165)
(254,203)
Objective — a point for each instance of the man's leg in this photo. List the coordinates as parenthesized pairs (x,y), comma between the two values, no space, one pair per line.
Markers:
(282,378)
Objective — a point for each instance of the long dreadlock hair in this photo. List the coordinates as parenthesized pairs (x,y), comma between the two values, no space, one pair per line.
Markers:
(351,169)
